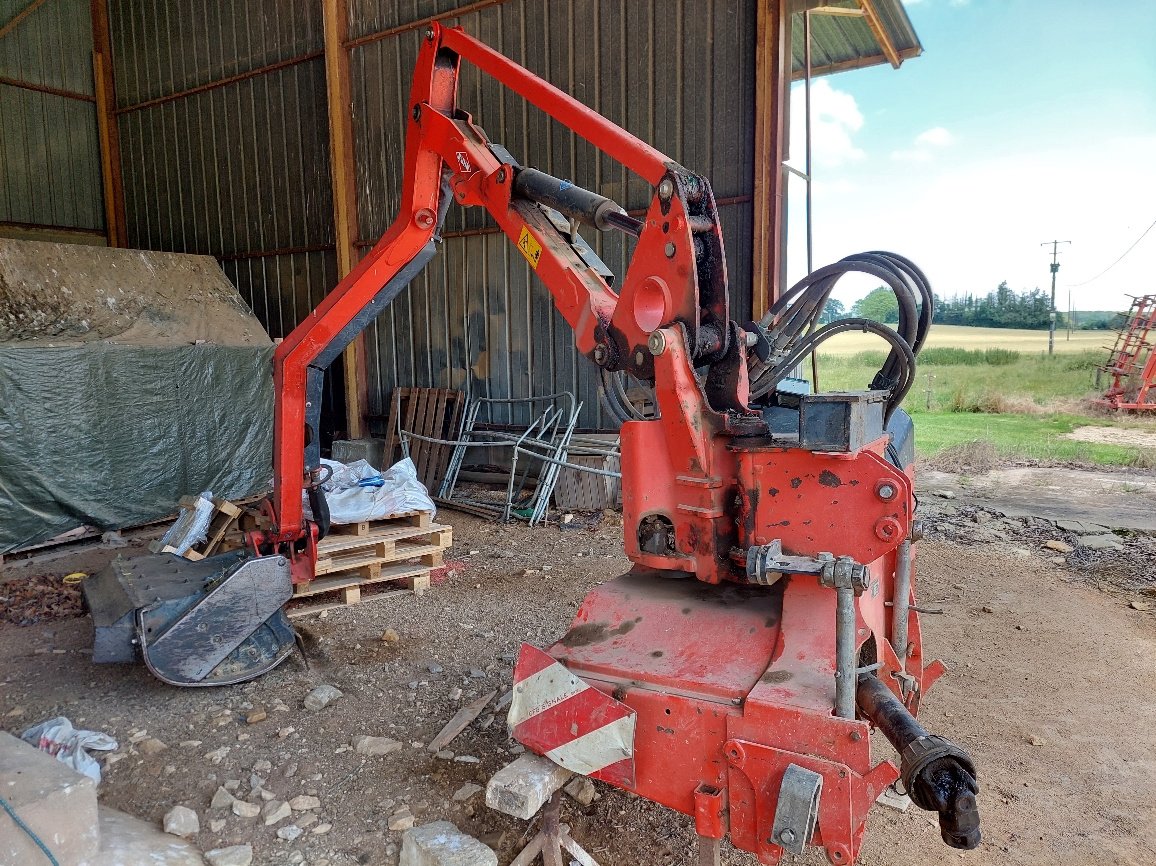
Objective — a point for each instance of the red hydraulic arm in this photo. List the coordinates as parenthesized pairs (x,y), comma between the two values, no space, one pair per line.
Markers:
(744,703)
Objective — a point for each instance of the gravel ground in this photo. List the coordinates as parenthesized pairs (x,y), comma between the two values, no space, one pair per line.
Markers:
(1031,643)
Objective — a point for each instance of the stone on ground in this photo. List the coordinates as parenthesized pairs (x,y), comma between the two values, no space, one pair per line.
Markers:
(129,841)
(374,746)
(274,811)
(1107,541)
(322,696)
(182,821)
(521,788)
(442,844)
(582,790)
(234,855)
(56,802)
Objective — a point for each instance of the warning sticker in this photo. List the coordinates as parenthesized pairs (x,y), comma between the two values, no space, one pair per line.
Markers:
(530,248)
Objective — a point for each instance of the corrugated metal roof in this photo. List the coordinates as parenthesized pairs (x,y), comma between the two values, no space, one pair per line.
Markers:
(841,42)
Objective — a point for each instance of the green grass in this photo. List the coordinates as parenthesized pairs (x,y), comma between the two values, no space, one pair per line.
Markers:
(974,407)
(1027,381)
(1034,437)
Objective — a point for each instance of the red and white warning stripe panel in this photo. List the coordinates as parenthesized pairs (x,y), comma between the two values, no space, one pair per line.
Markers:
(557,715)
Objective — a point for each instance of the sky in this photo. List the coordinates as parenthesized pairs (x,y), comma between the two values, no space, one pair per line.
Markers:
(1023,121)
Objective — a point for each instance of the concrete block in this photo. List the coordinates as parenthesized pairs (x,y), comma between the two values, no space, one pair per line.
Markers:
(129,841)
(522,788)
(372,451)
(443,844)
(57,803)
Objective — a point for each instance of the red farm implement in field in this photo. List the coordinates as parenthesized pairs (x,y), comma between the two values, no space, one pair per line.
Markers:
(1132,364)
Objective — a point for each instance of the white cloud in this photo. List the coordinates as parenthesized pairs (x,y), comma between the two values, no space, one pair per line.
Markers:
(835,118)
(924,146)
(937,136)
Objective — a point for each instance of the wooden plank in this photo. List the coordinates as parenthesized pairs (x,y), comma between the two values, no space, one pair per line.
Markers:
(391,433)
(409,401)
(461,720)
(431,555)
(772,80)
(341,581)
(339,95)
(108,134)
(416,447)
(880,32)
(298,611)
(433,430)
(436,534)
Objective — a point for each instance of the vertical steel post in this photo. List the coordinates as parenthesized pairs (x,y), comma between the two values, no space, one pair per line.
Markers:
(845,652)
(901,603)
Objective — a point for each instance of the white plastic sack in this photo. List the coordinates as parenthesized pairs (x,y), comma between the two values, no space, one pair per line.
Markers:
(192,524)
(349,502)
(58,737)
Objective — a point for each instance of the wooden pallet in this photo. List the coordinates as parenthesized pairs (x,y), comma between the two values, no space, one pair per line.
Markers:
(432,412)
(401,549)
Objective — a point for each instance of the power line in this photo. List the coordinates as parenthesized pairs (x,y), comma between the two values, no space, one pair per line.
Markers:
(1122,255)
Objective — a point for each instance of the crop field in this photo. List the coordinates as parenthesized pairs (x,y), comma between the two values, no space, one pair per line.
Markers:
(963,337)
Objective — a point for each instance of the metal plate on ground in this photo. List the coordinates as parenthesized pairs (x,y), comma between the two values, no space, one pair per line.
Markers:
(214,627)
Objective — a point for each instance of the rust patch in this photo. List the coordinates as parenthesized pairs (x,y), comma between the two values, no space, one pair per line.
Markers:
(774,491)
(796,483)
(596,632)
(686,610)
(829,479)
(776,677)
(656,654)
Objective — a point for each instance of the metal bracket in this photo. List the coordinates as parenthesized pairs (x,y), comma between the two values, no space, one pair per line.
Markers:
(797,810)
(766,563)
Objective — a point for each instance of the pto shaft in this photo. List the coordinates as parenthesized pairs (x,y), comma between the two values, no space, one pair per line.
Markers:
(939,776)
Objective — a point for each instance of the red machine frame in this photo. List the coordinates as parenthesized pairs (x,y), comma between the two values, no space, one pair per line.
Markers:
(1132,382)
(705,468)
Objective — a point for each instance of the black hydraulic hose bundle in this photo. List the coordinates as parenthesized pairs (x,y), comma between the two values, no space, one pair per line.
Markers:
(792,330)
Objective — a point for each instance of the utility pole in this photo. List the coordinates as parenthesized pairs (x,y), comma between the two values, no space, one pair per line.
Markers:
(1052,314)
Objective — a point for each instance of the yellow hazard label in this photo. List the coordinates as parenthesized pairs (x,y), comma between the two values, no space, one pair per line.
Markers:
(530,248)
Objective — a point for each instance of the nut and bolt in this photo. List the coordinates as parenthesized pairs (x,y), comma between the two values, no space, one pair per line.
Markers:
(787,836)
(656,342)
(886,491)
(670,249)
(666,188)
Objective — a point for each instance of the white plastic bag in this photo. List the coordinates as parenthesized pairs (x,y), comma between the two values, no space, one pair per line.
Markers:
(58,737)
(349,502)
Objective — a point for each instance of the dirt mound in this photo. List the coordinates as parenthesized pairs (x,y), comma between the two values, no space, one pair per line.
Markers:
(65,294)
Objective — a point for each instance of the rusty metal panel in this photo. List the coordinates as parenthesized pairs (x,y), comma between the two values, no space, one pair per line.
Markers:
(679,75)
(49,150)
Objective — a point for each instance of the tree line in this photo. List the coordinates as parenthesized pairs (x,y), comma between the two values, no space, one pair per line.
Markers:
(1002,308)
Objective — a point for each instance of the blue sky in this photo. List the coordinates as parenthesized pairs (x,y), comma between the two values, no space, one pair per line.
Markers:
(1023,121)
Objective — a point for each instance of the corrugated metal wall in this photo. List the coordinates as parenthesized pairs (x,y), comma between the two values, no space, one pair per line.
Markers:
(49,152)
(236,170)
(241,170)
(677,74)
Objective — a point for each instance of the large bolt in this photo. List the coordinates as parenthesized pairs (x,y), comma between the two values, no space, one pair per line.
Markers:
(670,249)
(666,188)
(885,491)
(787,836)
(656,342)
(639,358)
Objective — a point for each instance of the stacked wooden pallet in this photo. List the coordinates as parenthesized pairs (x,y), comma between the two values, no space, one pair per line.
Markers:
(401,549)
